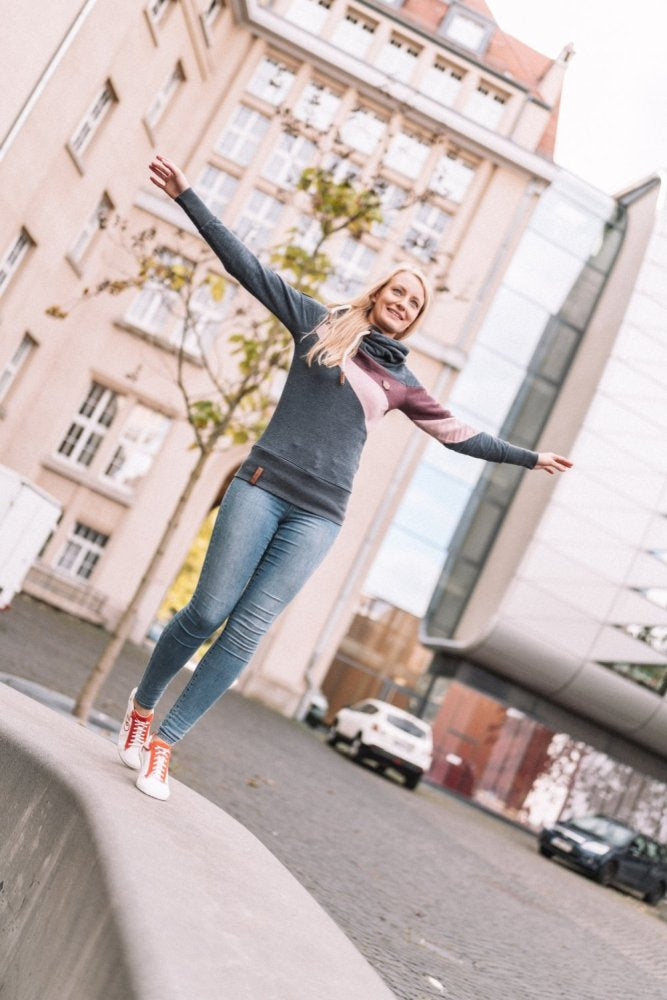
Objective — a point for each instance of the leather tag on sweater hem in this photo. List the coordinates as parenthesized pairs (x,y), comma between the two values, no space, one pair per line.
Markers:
(256,474)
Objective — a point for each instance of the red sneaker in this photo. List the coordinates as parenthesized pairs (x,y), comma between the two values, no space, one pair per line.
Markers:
(154,776)
(134,733)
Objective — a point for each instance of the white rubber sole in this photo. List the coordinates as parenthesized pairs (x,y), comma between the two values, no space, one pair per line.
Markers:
(156,790)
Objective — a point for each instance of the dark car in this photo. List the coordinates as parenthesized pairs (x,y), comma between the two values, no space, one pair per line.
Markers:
(610,852)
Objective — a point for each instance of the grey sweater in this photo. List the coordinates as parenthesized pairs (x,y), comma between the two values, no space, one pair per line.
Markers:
(310,451)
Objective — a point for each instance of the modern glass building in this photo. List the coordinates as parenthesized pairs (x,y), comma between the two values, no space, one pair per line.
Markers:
(511,378)
(544,602)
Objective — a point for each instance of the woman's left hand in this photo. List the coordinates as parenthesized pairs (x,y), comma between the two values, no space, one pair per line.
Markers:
(552,463)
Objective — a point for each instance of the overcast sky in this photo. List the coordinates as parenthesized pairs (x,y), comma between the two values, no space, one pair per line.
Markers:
(613,120)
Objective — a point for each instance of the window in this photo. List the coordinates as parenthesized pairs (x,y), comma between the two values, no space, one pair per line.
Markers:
(467,28)
(97,221)
(654,636)
(407,154)
(407,726)
(451,177)
(212,11)
(156,10)
(243,136)
(90,425)
(398,58)
(307,233)
(353,267)
(82,551)
(18,359)
(156,303)
(362,130)
(658,595)
(209,305)
(271,81)
(165,95)
(258,219)
(92,119)
(426,228)
(317,106)
(354,33)
(392,200)
(12,258)
(341,168)
(650,675)
(216,188)
(309,14)
(140,440)
(442,82)
(290,157)
(486,105)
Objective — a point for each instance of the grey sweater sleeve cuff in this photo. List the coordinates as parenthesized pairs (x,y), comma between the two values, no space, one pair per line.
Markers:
(493,449)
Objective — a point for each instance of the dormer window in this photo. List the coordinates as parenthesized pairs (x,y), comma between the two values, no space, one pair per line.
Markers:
(442,81)
(309,14)
(398,58)
(486,105)
(354,34)
(467,28)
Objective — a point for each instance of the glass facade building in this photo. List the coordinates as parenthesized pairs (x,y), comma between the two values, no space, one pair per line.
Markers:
(452,509)
(545,614)
(529,339)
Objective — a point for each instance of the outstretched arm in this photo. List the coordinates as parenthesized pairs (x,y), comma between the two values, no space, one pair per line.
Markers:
(427,414)
(300,313)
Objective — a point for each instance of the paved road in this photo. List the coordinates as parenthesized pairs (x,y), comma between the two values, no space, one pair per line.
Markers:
(444,901)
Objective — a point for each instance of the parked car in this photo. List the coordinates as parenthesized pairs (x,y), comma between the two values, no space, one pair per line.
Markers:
(375,730)
(610,852)
(317,709)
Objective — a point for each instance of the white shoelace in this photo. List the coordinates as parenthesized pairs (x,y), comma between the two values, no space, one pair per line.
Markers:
(138,732)
(159,762)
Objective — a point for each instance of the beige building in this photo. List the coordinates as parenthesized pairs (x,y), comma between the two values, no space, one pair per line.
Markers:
(457,119)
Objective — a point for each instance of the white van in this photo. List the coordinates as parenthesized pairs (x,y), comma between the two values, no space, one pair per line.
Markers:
(28,515)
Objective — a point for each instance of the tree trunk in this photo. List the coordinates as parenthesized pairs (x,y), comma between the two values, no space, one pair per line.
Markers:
(105,664)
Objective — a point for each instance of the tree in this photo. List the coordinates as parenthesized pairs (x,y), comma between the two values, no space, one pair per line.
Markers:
(239,399)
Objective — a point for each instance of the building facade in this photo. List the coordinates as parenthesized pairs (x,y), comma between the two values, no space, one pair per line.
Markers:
(455,119)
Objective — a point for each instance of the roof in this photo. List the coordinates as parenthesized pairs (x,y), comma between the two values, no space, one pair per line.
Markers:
(506,55)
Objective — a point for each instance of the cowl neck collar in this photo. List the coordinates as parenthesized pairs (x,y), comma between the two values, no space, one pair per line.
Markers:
(385,349)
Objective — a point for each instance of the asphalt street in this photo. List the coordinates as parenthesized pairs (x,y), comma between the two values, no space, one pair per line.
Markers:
(442,899)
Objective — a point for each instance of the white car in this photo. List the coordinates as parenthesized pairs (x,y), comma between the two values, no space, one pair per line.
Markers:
(376,730)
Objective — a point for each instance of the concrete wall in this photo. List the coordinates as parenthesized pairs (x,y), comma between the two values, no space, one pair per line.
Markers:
(105,893)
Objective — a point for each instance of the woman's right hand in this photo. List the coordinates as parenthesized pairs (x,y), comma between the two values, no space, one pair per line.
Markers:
(167,176)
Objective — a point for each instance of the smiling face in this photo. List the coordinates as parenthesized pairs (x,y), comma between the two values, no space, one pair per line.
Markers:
(398,304)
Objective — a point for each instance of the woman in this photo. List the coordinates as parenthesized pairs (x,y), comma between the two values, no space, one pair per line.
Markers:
(286,503)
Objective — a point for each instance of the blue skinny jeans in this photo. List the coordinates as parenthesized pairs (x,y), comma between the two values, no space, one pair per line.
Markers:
(262,551)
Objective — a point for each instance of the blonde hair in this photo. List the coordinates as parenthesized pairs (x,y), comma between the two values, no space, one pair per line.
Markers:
(342,329)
